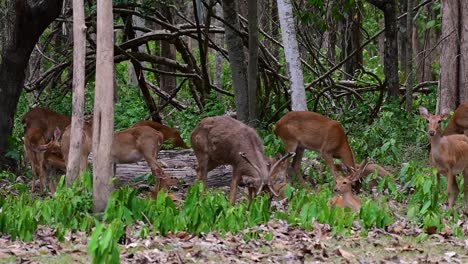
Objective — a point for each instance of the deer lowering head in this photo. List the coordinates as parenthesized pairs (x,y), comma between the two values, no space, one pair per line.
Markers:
(300,130)
(223,140)
(39,124)
(169,133)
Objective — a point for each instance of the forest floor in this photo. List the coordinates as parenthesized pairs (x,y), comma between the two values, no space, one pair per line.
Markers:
(274,242)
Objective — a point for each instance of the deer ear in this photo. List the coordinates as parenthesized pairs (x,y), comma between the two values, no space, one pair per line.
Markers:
(57,133)
(444,116)
(423,112)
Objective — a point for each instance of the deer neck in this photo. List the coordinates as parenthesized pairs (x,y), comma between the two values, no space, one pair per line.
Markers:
(435,140)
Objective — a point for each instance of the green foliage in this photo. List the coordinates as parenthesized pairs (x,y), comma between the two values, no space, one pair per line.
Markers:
(102,245)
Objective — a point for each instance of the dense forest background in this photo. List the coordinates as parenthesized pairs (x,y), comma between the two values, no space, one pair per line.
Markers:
(366,63)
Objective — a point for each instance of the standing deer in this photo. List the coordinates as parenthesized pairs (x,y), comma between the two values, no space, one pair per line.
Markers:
(39,124)
(170,134)
(449,154)
(459,122)
(224,140)
(300,130)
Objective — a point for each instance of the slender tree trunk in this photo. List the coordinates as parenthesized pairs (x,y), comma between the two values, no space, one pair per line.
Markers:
(463,85)
(167,82)
(219,40)
(236,60)
(291,50)
(389,9)
(403,36)
(253,60)
(449,61)
(79,62)
(103,125)
(409,57)
(21,24)
(132,77)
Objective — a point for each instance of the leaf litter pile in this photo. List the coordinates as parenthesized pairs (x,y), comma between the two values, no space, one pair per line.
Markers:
(277,240)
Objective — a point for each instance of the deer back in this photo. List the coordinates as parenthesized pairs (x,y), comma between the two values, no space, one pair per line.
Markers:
(222,138)
(316,132)
(169,133)
(130,144)
(458,124)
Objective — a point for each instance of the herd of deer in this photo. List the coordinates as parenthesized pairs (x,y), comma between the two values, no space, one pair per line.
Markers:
(224,140)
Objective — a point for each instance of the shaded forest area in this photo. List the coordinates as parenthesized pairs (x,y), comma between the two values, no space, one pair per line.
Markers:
(369,64)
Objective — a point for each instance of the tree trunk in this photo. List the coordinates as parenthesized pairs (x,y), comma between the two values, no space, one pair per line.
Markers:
(448,90)
(21,25)
(167,82)
(253,60)
(79,62)
(463,86)
(409,57)
(219,41)
(389,9)
(291,50)
(403,36)
(103,125)
(237,60)
(352,41)
(132,77)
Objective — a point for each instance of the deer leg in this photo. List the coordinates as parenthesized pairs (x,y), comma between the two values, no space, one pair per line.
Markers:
(156,171)
(236,177)
(202,168)
(296,163)
(329,161)
(452,189)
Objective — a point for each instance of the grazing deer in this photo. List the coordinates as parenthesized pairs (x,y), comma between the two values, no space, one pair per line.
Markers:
(39,124)
(459,122)
(170,134)
(300,130)
(449,154)
(345,196)
(224,140)
(129,146)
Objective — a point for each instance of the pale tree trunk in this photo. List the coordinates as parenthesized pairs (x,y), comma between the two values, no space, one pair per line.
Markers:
(237,60)
(448,84)
(103,123)
(79,61)
(409,57)
(219,41)
(132,78)
(253,60)
(291,51)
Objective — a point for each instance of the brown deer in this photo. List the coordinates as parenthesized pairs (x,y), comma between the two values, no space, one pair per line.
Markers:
(129,146)
(300,130)
(449,154)
(224,140)
(39,124)
(170,134)
(362,171)
(459,122)
(345,196)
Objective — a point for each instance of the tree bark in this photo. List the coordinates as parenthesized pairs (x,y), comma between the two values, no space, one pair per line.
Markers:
(22,23)
(463,86)
(237,60)
(253,60)
(403,36)
(219,41)
(409,57)
(79,63)
(103,125)
(291,50)
(167,82)
(389,9)
(449,71)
